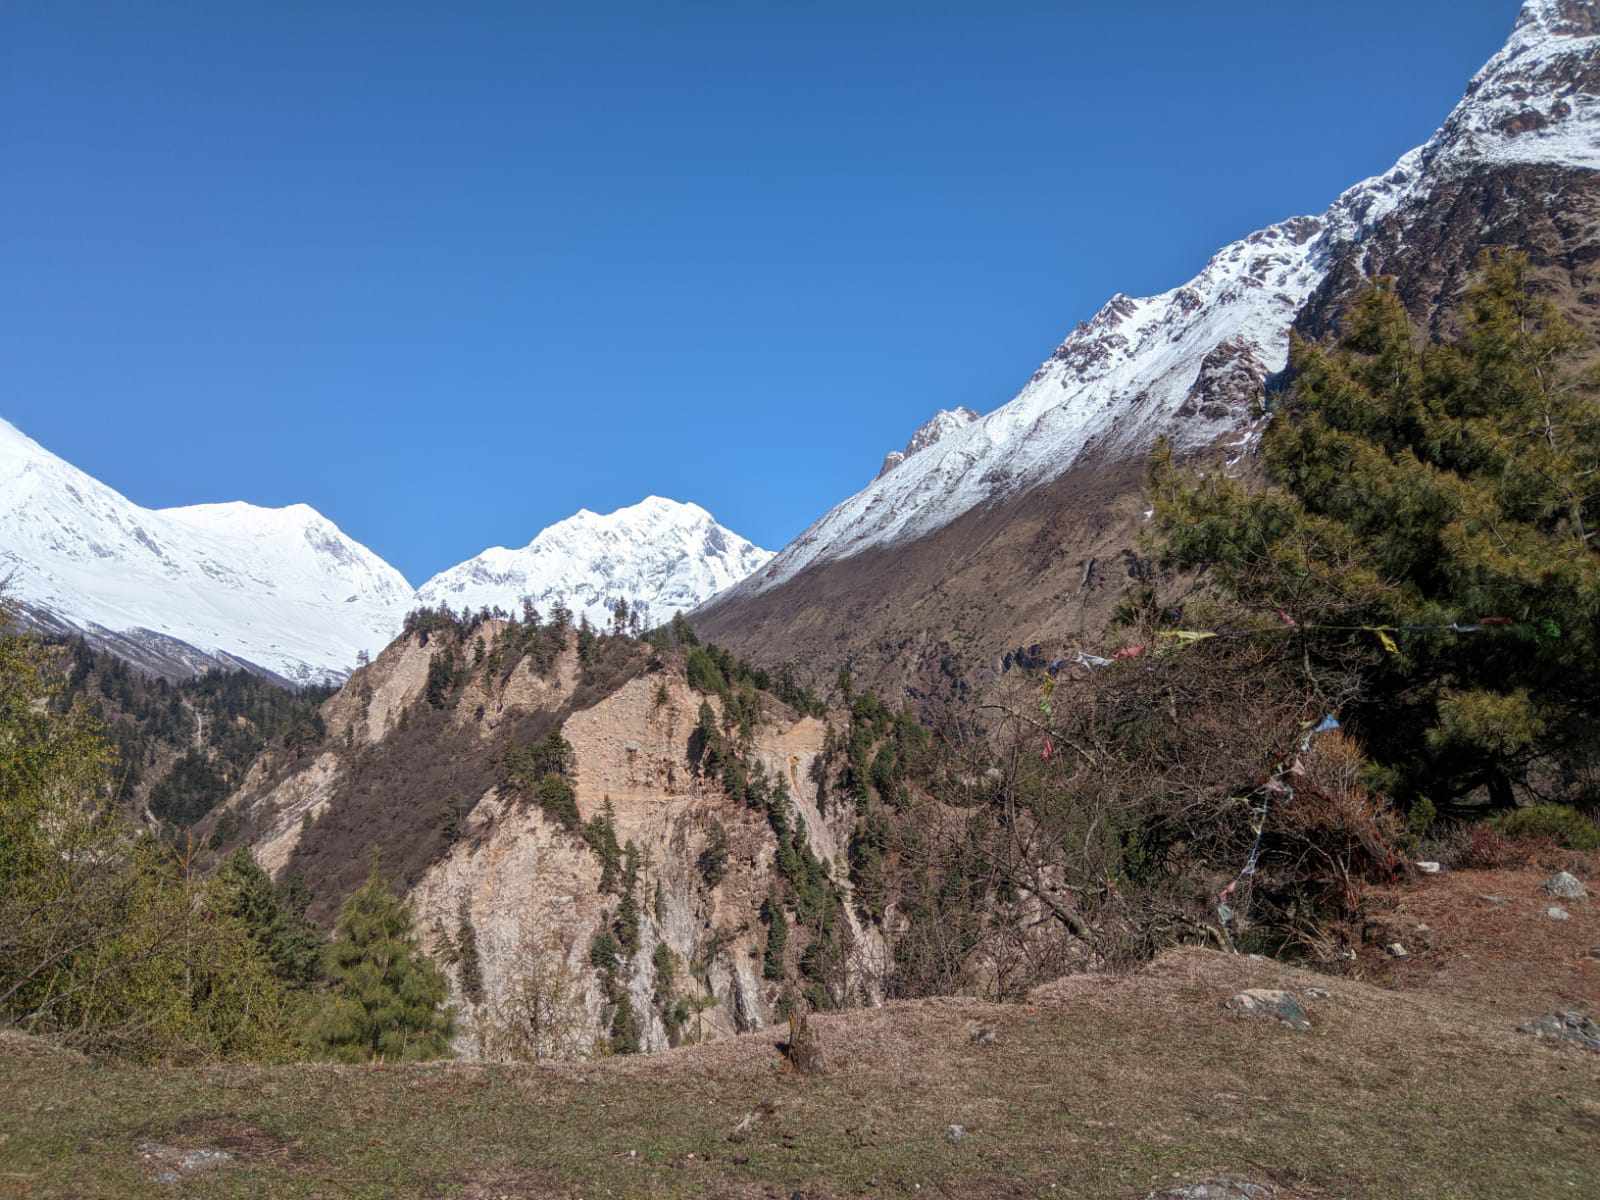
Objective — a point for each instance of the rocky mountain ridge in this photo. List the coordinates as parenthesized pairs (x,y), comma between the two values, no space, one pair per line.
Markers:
(484,860)
(929,433)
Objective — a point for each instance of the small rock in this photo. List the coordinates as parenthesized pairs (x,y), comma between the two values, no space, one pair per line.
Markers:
(1396,950)
(1565,1027)
(955,1133)
(1556,913)
(171,1164)
(1429,868)
(1316,993)
(1565,886)
(1270,1002)
(1222,1188)
(983,1035)
(1493,899)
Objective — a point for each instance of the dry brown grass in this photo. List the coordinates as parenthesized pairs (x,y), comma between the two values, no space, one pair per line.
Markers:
(1096,1087)
(1488,941)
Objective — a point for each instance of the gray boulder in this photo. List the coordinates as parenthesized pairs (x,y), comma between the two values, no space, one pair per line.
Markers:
(1565,1027)
(1270,1003)
(1223,1188)
(1565,886)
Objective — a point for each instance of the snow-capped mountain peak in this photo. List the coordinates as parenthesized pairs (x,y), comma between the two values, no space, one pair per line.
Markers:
(1189,362)
(283,588)
(662,556)
(287,590)
(1537,100)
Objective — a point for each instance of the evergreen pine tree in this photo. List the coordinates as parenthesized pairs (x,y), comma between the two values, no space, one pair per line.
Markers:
(1425,486)
(388,997)
(471,965)
(275,919)
(628,909)
(777,937)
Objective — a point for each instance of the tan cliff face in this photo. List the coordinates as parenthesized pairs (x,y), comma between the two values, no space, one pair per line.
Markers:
(524,890)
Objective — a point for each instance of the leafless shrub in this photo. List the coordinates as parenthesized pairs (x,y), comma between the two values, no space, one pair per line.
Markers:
(542,1014)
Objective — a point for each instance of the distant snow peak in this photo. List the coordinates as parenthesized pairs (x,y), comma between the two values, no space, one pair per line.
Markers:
(931,431)
(1189,363)
(661,556)
(286,590)
(283,588)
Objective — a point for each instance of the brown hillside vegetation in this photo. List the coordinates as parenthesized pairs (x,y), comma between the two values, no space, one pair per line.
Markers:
(1046,567)
(1098,1086)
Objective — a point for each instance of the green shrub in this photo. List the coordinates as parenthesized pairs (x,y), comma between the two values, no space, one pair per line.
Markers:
(1565,826)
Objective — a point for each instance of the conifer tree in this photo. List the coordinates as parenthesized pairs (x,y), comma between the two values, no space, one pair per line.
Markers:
(777,937)
(275,919)
(1444,490)
(388,997)
(468,959)
(628,916)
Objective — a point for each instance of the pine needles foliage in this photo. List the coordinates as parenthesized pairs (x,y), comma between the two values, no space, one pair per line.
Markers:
(387,999)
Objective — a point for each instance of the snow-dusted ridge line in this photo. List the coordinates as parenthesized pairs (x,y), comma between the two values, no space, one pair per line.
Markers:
(283,588)
(287,590)
(1142,367)
(662,555)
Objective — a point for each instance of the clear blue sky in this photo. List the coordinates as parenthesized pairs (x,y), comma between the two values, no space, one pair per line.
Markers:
(451,272)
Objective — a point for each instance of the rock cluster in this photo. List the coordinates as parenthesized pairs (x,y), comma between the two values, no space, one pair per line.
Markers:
(1565,1027)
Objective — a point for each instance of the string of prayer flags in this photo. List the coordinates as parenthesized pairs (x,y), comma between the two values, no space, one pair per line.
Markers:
(1277,784)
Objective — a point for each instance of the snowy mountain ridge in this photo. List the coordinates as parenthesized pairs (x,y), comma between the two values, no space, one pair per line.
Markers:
(662,556)
(286,590)
(282,588)
(1189,362)
(929,433)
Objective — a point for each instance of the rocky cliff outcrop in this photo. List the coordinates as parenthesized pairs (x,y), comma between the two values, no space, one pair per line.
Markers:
(514,897)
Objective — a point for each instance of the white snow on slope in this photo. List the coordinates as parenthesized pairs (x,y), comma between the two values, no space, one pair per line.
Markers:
(929,433)
(281,587)
(1120,380)
(285,589)
(663,555)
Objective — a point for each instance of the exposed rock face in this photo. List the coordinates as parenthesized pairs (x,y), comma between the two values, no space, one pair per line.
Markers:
(1228,385)
(1270,1003)
(943,422)
(1549,211)
(1565,1027)
(528,889)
